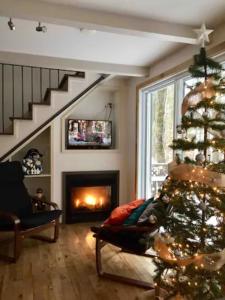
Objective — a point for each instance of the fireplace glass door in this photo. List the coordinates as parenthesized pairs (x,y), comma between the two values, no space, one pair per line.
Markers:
(91,199)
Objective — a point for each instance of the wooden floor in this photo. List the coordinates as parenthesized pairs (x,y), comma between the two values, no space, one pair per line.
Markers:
(66,270)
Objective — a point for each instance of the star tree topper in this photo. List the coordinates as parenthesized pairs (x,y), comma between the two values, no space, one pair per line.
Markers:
(203,35)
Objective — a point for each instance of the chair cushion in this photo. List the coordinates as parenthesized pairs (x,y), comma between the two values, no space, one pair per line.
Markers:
(135,215)
(40,218)
(156,208)
(130,241)
(32,221)
(120,213)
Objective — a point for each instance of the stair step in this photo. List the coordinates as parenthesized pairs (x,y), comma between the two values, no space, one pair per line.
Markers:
(48,94)
(21,118)
(30,104)
(6,133)
(63,86)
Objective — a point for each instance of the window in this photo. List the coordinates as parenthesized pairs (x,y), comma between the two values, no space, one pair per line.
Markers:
(158,116)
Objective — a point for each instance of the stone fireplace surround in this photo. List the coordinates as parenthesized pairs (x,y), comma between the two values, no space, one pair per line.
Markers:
(87,179)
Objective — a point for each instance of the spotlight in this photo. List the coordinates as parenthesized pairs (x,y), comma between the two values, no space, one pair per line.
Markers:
(41,28)
(11,25)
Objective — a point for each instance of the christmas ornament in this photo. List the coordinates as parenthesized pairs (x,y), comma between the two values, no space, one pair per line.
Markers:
(208,90)
(202,206)
(177,158)
(205,114)
(192,98)
(179,129)
(220,115)
(203,35)
(200,159)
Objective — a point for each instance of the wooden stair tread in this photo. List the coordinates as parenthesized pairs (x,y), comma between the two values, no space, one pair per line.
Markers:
(39,103)
(6,133)
(20,118)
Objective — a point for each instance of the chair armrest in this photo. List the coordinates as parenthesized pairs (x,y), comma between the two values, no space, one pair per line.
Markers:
(53,204)
(9,216)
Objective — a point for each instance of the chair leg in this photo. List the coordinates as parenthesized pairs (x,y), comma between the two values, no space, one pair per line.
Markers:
(56,230)
(53,239)
(99,245)
(18,241)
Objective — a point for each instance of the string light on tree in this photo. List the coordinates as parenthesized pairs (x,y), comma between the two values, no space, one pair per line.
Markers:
(195,252)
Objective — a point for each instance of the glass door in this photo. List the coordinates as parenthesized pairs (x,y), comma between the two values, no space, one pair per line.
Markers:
(161,136)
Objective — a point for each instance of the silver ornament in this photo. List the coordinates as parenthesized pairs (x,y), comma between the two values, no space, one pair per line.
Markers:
(205,114)
(202,206)
(200,158)
(179,129)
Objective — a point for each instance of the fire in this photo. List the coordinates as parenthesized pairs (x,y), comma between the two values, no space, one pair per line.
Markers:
(92,198)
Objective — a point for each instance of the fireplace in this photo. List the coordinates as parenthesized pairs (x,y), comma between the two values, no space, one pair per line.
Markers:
(89,196)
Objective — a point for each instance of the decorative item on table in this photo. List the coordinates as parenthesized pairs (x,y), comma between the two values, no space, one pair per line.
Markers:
(32,164)
(38,198)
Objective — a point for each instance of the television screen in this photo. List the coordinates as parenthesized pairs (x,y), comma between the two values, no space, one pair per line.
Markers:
(89,134)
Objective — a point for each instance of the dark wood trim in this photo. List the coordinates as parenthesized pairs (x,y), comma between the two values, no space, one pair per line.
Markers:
(90,87)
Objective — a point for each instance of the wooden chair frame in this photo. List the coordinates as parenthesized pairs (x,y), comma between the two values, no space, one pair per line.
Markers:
(100,243)
(20,234)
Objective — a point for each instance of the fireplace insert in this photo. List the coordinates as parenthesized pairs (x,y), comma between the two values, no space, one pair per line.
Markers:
(89,196)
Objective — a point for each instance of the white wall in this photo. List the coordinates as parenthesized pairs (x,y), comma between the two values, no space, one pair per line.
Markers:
(93,107)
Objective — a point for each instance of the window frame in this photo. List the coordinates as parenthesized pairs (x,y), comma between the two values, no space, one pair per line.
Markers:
(144,118)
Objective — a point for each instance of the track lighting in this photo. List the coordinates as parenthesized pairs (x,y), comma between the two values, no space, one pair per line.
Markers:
(41,28)
(11,25)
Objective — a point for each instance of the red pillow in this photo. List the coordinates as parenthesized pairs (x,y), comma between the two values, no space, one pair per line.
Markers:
(120,213)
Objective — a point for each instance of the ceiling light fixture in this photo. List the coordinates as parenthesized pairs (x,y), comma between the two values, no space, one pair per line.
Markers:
(11,25)
(41,28)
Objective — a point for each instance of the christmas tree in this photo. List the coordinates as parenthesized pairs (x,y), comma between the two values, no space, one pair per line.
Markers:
(190,261)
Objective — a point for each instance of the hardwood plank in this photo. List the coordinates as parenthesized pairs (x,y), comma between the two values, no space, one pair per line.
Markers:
(66,270)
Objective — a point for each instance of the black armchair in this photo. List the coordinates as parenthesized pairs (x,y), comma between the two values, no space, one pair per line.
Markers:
(16,210)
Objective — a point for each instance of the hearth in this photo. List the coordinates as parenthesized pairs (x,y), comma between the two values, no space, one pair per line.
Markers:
(89,196)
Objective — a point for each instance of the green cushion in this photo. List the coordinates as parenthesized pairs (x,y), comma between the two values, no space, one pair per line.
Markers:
(133,218)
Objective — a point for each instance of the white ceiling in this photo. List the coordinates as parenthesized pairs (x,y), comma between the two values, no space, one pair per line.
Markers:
(65,40)
(189,12)
(69,42)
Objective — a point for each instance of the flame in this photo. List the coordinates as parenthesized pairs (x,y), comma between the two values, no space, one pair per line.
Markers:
(93,198)
(90,200)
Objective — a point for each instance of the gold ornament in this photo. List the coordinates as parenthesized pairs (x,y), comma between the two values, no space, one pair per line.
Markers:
(202,91)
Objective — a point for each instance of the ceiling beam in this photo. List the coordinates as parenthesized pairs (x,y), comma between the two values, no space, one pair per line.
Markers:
(101,21)
(72,64)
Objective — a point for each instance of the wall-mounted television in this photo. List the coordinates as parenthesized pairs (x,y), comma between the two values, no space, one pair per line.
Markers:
(88,134)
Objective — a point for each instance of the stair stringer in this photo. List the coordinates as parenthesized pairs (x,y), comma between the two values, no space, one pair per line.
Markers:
(41,113)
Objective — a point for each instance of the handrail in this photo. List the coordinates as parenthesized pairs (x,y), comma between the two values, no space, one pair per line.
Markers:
(90,87)
(23,84)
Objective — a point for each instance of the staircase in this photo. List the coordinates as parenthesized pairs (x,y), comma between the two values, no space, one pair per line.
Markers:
(27,118)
